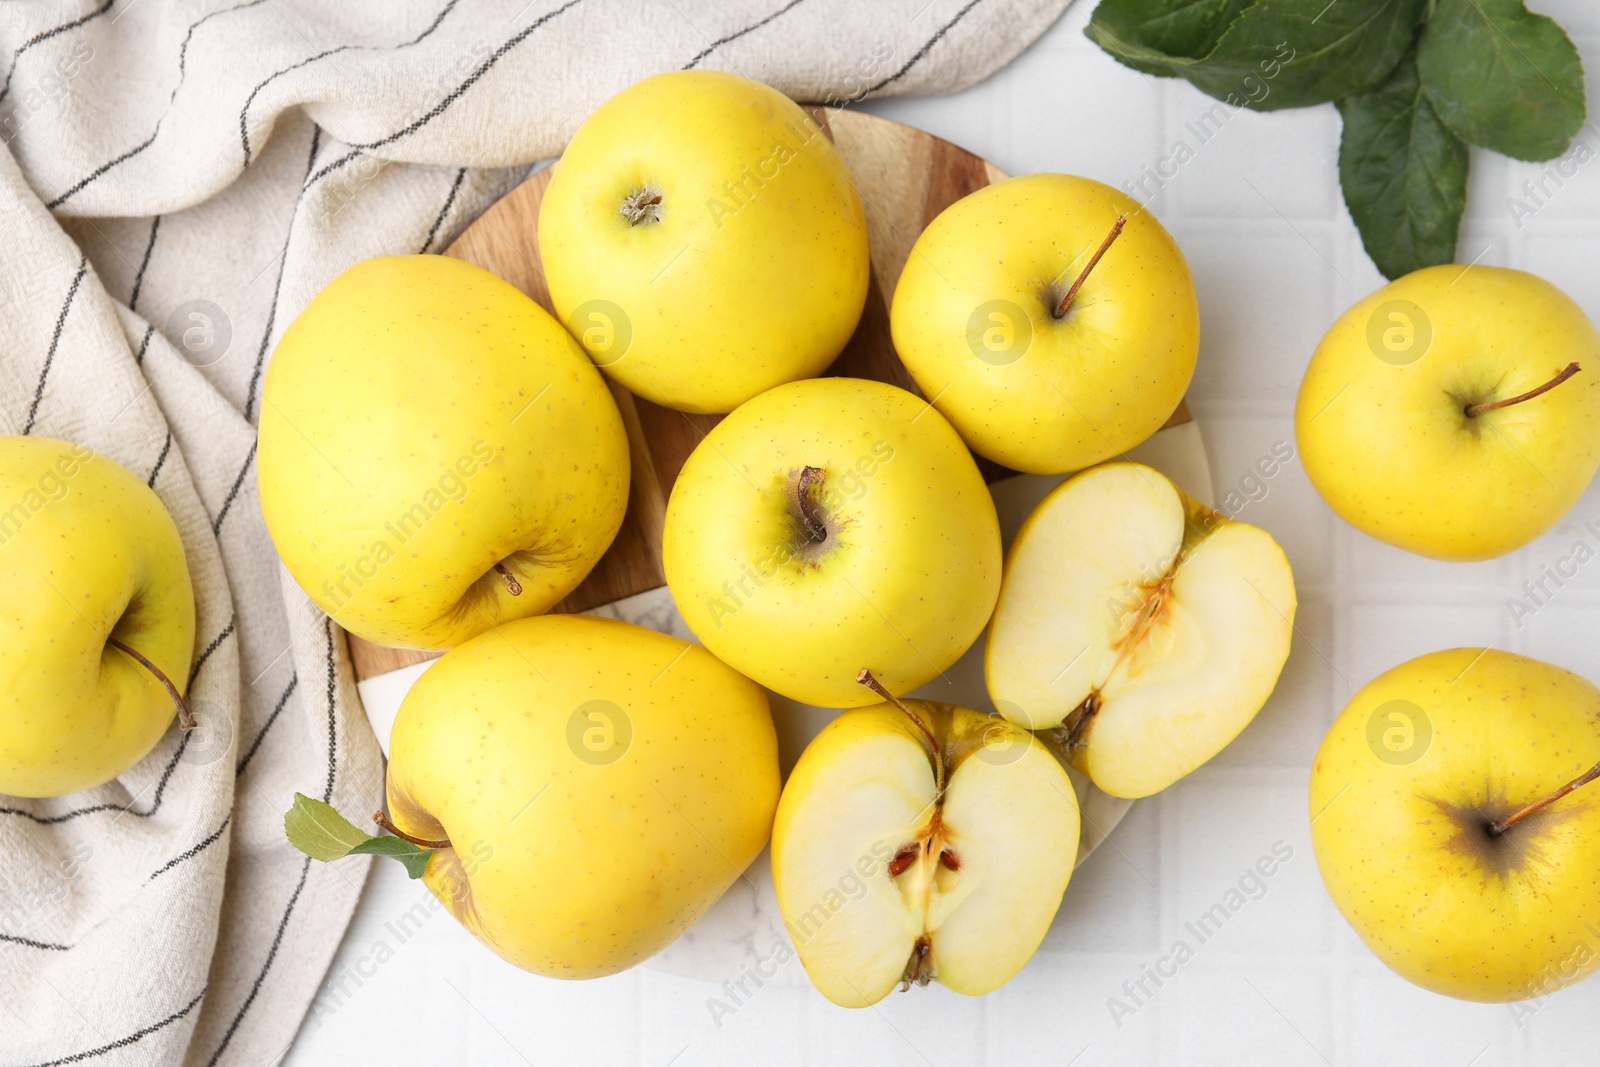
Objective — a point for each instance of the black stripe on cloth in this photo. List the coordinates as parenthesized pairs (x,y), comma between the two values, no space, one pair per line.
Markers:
(471,79)
(144,343)
(272,954)
(138,278)
(305,867)
(450,198)
(161,460)
(102,169)
(40,38)
(55,339)
(133,1038)
(294,680)
(216,643)
(244,112)
(183,58)
(329,169)
(720,41)
(216,527)
(923,51)
(193,852)
(277,286)
(333,734)
(155,804)
(28,942)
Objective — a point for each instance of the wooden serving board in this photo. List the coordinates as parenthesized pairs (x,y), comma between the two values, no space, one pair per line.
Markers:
(905,178)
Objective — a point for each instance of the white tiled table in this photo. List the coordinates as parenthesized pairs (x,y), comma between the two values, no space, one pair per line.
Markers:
(1285,981)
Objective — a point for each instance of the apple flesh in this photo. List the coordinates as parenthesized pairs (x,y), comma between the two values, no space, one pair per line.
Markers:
(1144,629)
(96,618)
(595,787)
(830,524)
(885,878)
(1401,424)
(1405,792)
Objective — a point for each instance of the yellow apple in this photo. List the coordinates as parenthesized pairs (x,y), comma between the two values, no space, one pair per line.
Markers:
(1421,419)
(1139,626)
(595,787)
(917,842)
(1415,800)
(832,525)
(1037,372)
(94,593)
(703,239)
(436,455)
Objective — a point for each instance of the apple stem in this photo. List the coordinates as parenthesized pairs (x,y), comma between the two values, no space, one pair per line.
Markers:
(421,842)
(512,585)
(809,476)
(866,679)
(1116,231)
(185,717)
(1474,410)
(1498,828)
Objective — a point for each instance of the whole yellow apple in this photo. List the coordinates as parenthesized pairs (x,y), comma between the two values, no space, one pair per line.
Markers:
(1052,320)
(94,592)
(832,525)
(1431,832)
(1455,412)
(594,787)
(703,239)
(436,455)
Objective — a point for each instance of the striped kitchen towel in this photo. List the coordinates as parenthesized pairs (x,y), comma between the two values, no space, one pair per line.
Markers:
(182,177)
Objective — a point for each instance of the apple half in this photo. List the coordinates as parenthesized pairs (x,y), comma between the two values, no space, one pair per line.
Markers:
(917,841)
(1141,628)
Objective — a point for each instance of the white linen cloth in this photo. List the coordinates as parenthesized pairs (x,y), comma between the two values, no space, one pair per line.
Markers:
(182,177)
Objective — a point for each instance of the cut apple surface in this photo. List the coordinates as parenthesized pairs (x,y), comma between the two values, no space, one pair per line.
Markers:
(1139,626)
(884,878)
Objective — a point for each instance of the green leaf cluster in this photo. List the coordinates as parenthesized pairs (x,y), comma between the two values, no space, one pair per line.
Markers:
(1415,81)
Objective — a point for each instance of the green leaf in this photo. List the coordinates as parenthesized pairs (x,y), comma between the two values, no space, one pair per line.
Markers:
(1174,27)
(1275,53)
(318,830)
(1503,77)
(414,857)
(1404,175)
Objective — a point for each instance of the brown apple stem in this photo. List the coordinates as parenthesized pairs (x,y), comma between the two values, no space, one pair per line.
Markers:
(513,586)
(809,476)
(421,842)
(1511,820)
(1116,231)
(185,718)
(1474,410)
(866,679)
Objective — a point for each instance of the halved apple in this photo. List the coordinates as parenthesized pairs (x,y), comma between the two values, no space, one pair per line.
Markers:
(917,841)
(1139,626)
